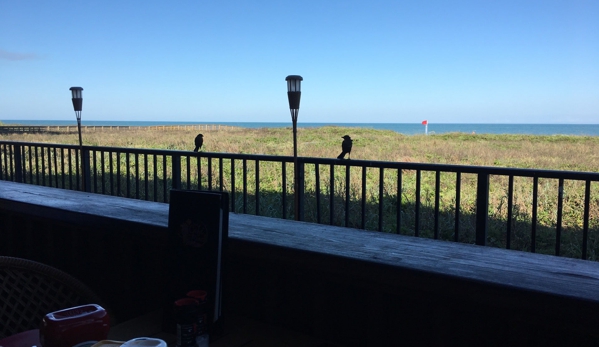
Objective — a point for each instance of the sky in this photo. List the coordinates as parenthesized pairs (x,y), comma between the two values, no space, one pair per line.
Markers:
(362,61)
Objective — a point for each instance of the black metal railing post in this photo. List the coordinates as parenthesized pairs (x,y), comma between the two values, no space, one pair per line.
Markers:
(18,164)
(482,208)
(176,171)
(86,170)
(300,188)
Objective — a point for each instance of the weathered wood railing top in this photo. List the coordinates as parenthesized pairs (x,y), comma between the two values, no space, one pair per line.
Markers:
(514,270)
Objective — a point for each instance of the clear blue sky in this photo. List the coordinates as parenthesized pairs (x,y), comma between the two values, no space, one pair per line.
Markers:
(385,61)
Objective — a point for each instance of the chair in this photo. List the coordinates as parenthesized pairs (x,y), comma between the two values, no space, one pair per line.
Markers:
(29,290)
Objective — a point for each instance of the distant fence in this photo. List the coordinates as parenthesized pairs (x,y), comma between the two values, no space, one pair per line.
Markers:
(73,128)
(542,211)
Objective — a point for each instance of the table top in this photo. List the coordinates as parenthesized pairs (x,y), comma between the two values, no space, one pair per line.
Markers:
(238,331)
(27,338)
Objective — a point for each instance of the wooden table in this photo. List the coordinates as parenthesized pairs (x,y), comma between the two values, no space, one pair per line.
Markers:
(239,331)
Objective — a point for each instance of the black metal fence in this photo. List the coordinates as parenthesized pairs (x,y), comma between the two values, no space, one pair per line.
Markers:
(544,211)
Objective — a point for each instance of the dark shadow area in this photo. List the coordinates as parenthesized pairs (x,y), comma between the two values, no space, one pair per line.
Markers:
(122,262)
(353,298)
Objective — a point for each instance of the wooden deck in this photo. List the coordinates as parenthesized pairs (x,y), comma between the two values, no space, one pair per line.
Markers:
(389,281)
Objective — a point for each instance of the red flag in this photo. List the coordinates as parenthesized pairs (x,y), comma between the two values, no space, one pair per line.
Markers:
(424,122)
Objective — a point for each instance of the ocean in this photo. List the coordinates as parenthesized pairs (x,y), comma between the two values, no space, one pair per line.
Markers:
(402,128)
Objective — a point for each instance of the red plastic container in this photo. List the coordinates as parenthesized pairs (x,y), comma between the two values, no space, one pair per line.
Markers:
(76,326)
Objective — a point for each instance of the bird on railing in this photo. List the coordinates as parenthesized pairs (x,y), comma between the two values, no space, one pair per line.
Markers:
(199,141)
(346,146)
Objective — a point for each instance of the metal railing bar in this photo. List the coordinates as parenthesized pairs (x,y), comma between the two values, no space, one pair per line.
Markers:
(233,186)
(49,165)
(29,160)
(363,199)
(347,198)
(510,212)
(3,158)
(220,175)
(458,196)
(317,191)
(200,174)
(245,185)
(37,167)
(137,176)
(560,207)
(381,197)
(164,180)
(535,197)
(12,165)
(62,150)
(417,205)
(103,176)
(188,171)
(43,158)
(146,178)
(94,186)
(210,173)
(176,168)
(128,174)
(398,209)
(4,169)
(118,173)
(56,178)
(331,194)
(257,163)
(18,163)
(111,171)
(482,208)
(156,180)
(71,177)
(284,188)
(585,224)
(437,190)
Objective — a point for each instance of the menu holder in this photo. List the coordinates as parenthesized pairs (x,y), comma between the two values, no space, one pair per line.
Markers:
(198,226)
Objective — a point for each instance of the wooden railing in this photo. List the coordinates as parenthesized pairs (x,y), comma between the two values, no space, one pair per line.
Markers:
(544,211)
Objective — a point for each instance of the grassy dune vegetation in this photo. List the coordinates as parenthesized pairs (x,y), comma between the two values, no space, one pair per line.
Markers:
(570,153)
(556,152)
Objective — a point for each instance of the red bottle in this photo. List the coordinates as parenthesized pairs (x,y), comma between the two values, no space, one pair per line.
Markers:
(186,317)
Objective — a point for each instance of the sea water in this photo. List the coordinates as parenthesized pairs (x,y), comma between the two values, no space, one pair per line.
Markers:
(402,128)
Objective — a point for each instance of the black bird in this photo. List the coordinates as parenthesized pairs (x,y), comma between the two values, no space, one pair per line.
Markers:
(346,147)
(199,141)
